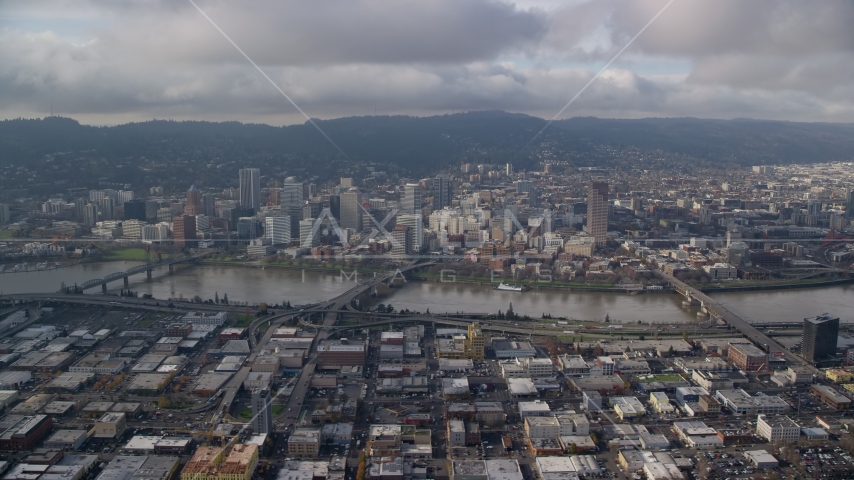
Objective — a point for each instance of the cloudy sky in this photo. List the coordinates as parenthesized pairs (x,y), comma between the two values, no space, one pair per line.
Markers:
(112,61)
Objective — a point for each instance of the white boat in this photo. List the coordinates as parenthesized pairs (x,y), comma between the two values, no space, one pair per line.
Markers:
(508,287)
(41,266)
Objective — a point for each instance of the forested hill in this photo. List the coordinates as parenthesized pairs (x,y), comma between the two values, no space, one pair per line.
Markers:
(420,145)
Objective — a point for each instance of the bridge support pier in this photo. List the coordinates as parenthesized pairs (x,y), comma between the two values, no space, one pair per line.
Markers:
(148,274)
(104,287)
(126,281)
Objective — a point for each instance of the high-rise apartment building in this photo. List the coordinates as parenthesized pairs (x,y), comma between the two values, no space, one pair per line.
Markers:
(123,196)
(250,188)
(820,337)
(194,202)
(849,205)
(351,210)
(411,198)
(262,411)
(335,206)
(278,230)
(184,231)
(108,208)
(441,192)
(597,212)
(90,214)
(4,214)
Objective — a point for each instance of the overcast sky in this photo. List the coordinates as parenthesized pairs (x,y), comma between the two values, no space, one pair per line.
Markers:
(111,61)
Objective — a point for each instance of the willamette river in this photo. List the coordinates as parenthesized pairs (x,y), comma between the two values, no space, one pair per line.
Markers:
(274,286)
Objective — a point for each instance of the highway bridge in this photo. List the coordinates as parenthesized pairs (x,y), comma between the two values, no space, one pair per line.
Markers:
(342,301)
(714,308)
(147,268)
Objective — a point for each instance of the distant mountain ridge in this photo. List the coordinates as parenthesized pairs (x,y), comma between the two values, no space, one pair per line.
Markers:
(421,144)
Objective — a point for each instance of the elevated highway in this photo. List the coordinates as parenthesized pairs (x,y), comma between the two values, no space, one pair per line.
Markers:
(714,308)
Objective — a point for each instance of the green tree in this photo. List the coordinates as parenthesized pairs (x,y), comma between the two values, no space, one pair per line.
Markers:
(225,298)
(510,314)
(216,297)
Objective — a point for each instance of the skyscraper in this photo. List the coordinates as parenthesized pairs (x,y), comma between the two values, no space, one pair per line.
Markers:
(90,214)
(135,210)
(250,188)
(849,205)
(108,208)
(278,230)
(411,198)
(184,231)
(820,337)
(351,211)
(308,234)
(4,214)
(262,411)
(441,192)
(335,206)
(292,194)
(209,204)
(597,212)
(416,232)
(194,201)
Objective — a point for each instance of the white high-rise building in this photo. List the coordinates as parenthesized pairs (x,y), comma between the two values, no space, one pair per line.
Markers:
(155,233)
(132,229)
(308,235)
(250,188)
(415,223)
(123,196)
(278,229)
(292,194)
(262,411)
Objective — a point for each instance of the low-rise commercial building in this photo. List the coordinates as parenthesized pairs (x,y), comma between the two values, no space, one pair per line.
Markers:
(777,429)
(304,443)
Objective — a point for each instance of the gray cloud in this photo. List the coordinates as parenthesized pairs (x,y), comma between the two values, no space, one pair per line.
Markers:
(109,62)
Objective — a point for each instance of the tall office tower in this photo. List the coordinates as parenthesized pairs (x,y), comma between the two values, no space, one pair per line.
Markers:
(278,230)
(814,207)
(291,194)
(250,188)
(416,225)
(308,235)
(262,411)
(209,204)
(194,201)
(351,211)
(411,198)
(312,210)
(294,212)
(820,337)
(849,205)
(203,223)
(151,208)
(4,214)
(597,212)
(90,214)
(527,186)
(135,210)
(123,196)
(402,235)
(441,192)
(247,229)
(309,190)
(508,169)
(108,208)
(184,231)
(335,206)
